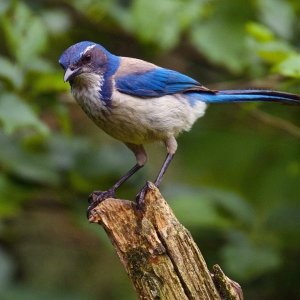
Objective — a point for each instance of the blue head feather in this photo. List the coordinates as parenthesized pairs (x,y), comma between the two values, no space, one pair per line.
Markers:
(104,63)
(72,55)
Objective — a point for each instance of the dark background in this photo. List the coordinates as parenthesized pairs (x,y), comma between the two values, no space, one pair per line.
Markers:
(235,180)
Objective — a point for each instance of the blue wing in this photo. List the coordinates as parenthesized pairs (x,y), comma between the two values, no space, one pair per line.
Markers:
(156,82)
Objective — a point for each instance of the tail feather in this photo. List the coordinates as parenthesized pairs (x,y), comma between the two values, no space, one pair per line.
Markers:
(250,96)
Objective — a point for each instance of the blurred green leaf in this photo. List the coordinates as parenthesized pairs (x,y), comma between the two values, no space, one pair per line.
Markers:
(50,82)
(25,34)
(196,210)
(221,35)
(11,72)
(260,32)
(163,21)
(209,207)
(278,15)
(56,21)
(7,267)
(233,204)
(11,197)
(289,67)
(285,222)
(16,114)
(42,66)
(4,5)
(24,163)
(246,260)
(274,52)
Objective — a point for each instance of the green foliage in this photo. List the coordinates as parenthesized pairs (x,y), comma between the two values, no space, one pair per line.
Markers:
(24,33)
(221,28)
(248,260)
(234,182)
(16,114)
(164,21)
(289,67)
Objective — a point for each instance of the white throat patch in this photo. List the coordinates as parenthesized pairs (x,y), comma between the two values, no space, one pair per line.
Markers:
(89,81)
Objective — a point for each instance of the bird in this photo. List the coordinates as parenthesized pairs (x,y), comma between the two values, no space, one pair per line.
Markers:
(138,102)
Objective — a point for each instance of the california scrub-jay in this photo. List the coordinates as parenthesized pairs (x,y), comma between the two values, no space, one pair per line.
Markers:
(137,102)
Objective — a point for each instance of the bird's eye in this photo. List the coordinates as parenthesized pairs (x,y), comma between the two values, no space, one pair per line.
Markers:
(86,58)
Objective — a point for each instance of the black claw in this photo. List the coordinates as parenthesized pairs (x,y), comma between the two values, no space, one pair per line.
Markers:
(140,197)
(97,197)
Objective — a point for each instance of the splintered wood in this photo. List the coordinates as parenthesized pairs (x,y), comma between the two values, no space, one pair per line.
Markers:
(159,253)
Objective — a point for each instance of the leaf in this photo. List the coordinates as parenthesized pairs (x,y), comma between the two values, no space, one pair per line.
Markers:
(278,15)
(289,67)
(4,5)
(30,165)
(265,44)
(7,268)
(246,260)
(11,72)
(56,21)
(19,14)
(233,204)
(162,22)
(196,210)
(50,83)
(16,114)
(209,207)
(260,32)
(10,197)
(41,65)
(221,35)
(25,34)
(274,51)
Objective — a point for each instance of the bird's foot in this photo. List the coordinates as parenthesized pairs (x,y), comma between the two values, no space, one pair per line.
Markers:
(140,197)
(97,197)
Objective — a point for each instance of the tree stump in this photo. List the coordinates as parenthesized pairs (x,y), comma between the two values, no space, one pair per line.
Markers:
(158,253)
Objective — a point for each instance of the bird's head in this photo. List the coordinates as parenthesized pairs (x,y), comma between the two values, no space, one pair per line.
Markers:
(86,57)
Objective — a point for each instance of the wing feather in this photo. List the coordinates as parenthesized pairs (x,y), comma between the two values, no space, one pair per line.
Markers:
(156,82)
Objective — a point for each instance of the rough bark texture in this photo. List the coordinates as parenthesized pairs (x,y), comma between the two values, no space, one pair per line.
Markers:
(158,253)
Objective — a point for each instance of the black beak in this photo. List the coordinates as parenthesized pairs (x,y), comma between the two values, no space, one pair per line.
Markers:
(70,74)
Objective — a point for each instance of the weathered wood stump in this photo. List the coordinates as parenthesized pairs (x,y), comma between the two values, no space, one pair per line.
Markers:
(159,253)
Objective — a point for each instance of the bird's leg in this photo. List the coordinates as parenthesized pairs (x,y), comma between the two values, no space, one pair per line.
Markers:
(163,169)
(98,196)
(171,145)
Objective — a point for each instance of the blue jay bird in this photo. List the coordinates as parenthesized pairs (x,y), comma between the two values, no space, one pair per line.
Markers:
(137,102)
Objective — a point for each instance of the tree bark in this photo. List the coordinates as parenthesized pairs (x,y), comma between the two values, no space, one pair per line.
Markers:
(158,253)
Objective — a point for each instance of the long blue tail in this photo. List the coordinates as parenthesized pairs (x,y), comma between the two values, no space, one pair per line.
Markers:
(249,96)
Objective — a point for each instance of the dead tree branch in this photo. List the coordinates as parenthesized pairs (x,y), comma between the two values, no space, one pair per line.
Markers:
(159,253)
